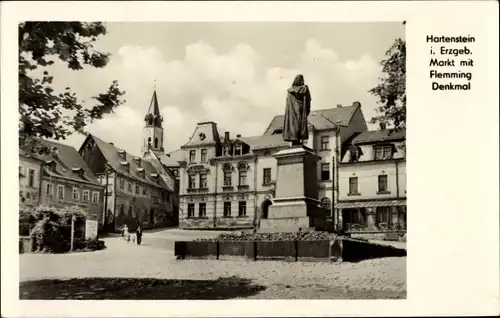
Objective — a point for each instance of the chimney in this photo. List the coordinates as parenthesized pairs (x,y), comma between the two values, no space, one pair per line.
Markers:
(339,105)
(382,126)
(226,136)
(356,104)
(238,135)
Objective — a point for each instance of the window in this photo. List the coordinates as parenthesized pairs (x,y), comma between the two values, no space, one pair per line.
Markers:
(203,155)
(325,142)
(227,209)
(382,183)
(242,178)
(326,203)
(242,208)
(267,176)
(60,191)
(137,189)
(227,178)
(31,177)
(354,154)
(144,192)
(203,181)
(192,181)
(95,197)
(86,195)
(383,215)
(237,150)
(202,209)
(353,185)
(190,210)
(76,194)
(129,186)
(382,153)
(325,171)
(122,183)
(130,210)
(192,155)
(49,189)
(225,151)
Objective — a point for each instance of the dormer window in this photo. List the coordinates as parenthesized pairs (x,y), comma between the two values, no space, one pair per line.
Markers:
(140,172)
(78,171)
(51,165)
(122,154)
(383,152)
(277,131)
(138,161)
(125,165)
(155,176)
(238,150)
(355,154)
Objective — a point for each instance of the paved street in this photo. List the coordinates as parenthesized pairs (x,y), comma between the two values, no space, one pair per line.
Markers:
(156,274)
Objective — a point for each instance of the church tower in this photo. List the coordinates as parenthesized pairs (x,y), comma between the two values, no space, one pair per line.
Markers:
(153,130)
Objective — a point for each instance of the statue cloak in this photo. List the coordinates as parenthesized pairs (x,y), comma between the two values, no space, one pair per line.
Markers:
(298,107)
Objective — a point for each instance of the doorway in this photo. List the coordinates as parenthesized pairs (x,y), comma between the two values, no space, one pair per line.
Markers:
(265,208)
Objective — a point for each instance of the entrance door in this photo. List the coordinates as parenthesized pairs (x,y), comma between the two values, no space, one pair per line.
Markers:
(152,216)
(265,208)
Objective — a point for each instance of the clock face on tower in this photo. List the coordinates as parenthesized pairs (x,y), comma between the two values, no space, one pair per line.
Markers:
(202,136)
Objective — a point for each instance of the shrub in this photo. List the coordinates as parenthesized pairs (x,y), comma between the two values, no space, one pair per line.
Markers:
(26,221)
(47,236)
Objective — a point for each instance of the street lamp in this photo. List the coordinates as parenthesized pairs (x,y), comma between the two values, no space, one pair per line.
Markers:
(335,172)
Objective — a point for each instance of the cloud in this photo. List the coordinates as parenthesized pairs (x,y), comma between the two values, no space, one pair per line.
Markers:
(239,89)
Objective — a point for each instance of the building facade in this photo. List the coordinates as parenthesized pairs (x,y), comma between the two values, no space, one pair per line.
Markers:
(140,189)
(30,179)
(60,178)
(229,182)
(373,183)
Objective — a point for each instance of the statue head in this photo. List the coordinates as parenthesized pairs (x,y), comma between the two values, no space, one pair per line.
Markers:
(299,80)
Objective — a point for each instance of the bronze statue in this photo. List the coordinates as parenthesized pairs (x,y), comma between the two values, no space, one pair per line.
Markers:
(298,106)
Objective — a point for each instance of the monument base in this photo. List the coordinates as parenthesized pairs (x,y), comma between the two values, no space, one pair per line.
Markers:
(293,215)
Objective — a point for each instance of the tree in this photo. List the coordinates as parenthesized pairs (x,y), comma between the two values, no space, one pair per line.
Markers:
(391,90)
(43,112)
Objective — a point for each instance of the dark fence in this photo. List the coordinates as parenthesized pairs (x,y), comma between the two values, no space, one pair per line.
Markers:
(339,249)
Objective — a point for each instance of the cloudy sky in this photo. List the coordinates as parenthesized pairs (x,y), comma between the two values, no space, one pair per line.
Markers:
(235,74)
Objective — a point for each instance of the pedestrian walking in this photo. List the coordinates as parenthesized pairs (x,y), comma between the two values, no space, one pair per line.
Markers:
(138,233)
(126,234)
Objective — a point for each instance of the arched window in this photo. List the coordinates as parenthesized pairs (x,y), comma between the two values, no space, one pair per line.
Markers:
(326,203)
(149,141)
(156,142)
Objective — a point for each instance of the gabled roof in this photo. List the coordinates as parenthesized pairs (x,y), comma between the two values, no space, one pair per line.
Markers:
(110,153)
(379,135)
(317,118)
(209,132)
(66,160)
(265,142)
(170,159)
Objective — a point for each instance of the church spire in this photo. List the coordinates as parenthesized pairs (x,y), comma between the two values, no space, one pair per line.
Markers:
(154,109)
(153,116)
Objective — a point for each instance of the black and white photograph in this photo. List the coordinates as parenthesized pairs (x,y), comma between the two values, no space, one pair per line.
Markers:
(212,161)
(249,158)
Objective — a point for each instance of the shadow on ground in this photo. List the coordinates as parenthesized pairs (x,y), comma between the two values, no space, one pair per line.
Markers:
(138,288)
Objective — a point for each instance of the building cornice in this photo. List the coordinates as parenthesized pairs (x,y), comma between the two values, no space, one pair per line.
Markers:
(345,164)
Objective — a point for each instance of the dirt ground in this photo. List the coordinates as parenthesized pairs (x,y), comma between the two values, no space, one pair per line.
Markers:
(153,265)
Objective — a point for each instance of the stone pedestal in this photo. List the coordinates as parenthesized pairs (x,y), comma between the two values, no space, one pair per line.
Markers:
(296,205)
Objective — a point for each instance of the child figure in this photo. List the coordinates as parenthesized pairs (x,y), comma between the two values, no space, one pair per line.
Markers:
(126,234)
